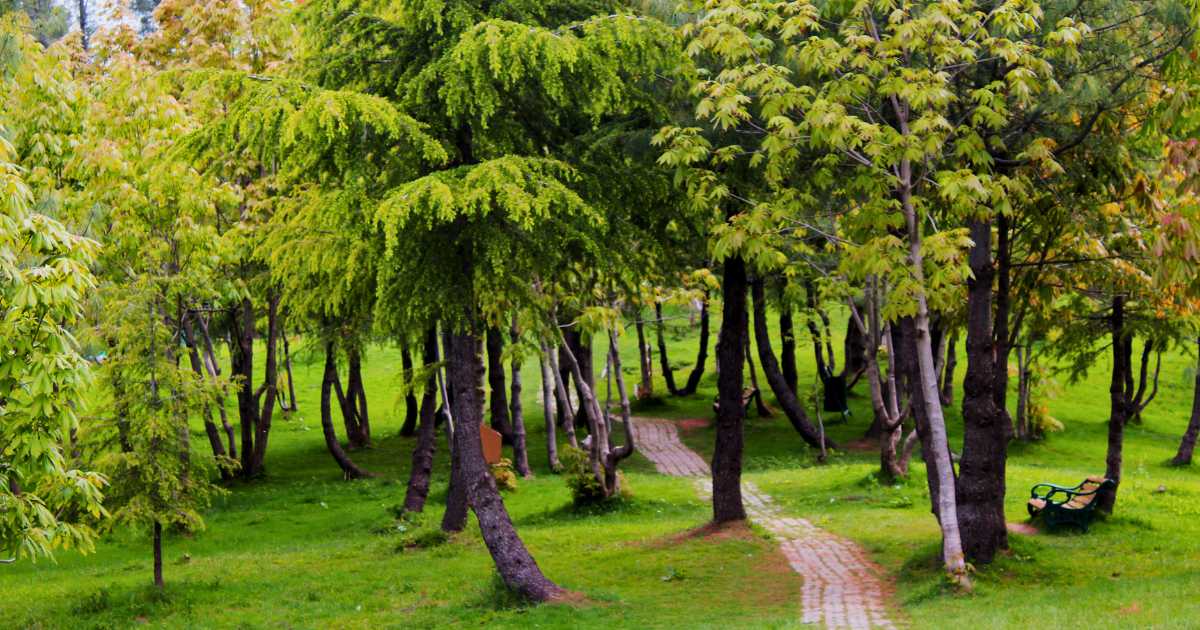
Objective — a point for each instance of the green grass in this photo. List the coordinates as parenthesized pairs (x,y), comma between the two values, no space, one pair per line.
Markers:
(301,548)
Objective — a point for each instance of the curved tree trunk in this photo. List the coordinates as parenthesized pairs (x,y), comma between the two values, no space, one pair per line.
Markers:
(980,487)
(214,372)
(410,399)
(210,427)
(645,361)
(560,393)
(350,470)
(697,372)
(270,387)
(422,457)
(515,565)
(766,357)
(287,367)
(949,365)
(663,359)
(731,416)
(498,400)
(241,365)
(1188,444)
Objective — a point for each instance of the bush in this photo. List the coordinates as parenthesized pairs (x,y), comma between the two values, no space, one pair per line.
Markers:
(505,476)
(585,488)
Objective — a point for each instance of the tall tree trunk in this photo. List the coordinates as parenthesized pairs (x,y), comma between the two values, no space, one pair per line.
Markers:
(548,409)
(766,357)
(1119,412)
(210,427)
(949,365)
(1002,307)
(241,364)
(697,372)
(645,361)
(454,519)
(787,347)
(410,399)
(760,404)
(356,397)
(980,489)
(498,401)
(422,458)
(214,372)
(1188,444)
(158,556)
(287,366)
(731,416)
(349,469)
(663,358)
(271,382)
(515,565)
(579,346)
(561,394)
(520,454)
(854,349)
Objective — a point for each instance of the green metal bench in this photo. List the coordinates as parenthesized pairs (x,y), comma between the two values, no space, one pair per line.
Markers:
(1060,505)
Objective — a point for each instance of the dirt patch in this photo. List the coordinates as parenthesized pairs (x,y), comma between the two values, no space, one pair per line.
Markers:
(862,445)
(715,532)
(1132,609)
(1024,529)
(573,599)
(693,424)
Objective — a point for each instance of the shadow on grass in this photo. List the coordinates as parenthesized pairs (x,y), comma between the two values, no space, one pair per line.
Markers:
(616,508)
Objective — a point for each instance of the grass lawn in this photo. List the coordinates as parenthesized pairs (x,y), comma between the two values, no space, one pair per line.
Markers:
(302,549)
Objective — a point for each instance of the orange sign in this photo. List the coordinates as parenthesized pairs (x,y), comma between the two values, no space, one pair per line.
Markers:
(491,440)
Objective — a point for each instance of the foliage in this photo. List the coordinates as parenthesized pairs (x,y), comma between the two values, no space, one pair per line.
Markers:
(585,488)
(502,472)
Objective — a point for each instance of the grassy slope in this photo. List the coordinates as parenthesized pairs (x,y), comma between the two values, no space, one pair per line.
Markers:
(298,548)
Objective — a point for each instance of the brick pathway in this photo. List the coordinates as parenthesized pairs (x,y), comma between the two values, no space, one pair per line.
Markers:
(842,587)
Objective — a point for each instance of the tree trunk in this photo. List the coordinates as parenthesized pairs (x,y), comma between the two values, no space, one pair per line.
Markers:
(241,364)
(645,361)
(697,372)
(210,427)
(498,401)
(349,469)
(410,399)
(579,345)
(287,366)
(731,416)
(980,489)
(760,403)
(949,365)
(663,358)
(561,394)
(1188,443)
(515,565)
(854,349)
(422,458)
(158,556)
(766,357)
(356,399)
(787,347)
(455,517)
(548,409)
(271,382)
(520,454)
(1119,412)
(214,372)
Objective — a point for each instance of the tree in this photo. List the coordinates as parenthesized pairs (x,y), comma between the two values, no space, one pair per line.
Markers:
(48,500)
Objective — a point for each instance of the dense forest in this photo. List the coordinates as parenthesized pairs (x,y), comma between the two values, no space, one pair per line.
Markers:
(531,252)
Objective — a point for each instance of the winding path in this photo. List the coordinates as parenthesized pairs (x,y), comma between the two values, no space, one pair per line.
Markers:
(842,587)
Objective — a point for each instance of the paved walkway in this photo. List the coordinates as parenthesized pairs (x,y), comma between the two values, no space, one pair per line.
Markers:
(842,587)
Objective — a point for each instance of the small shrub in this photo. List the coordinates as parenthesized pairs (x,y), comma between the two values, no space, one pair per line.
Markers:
(505,476)
(92,603)
(585,488)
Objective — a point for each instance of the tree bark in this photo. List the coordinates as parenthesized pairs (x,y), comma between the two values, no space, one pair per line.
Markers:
(350,470)
(271,382)
(520,453)
(766,357)
(561,394)
(241,364)
(515,565)
(158,556)
(663,358)
(980,488)
(214,372)
(787,347)
(548,409)
(1188,444)
(1119,412)
(422,458)
(410,399)
(731,416)
(697,372)
(454,519)
(210,427)
(498,400)
(645,361)
(287,366)
(949,365)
